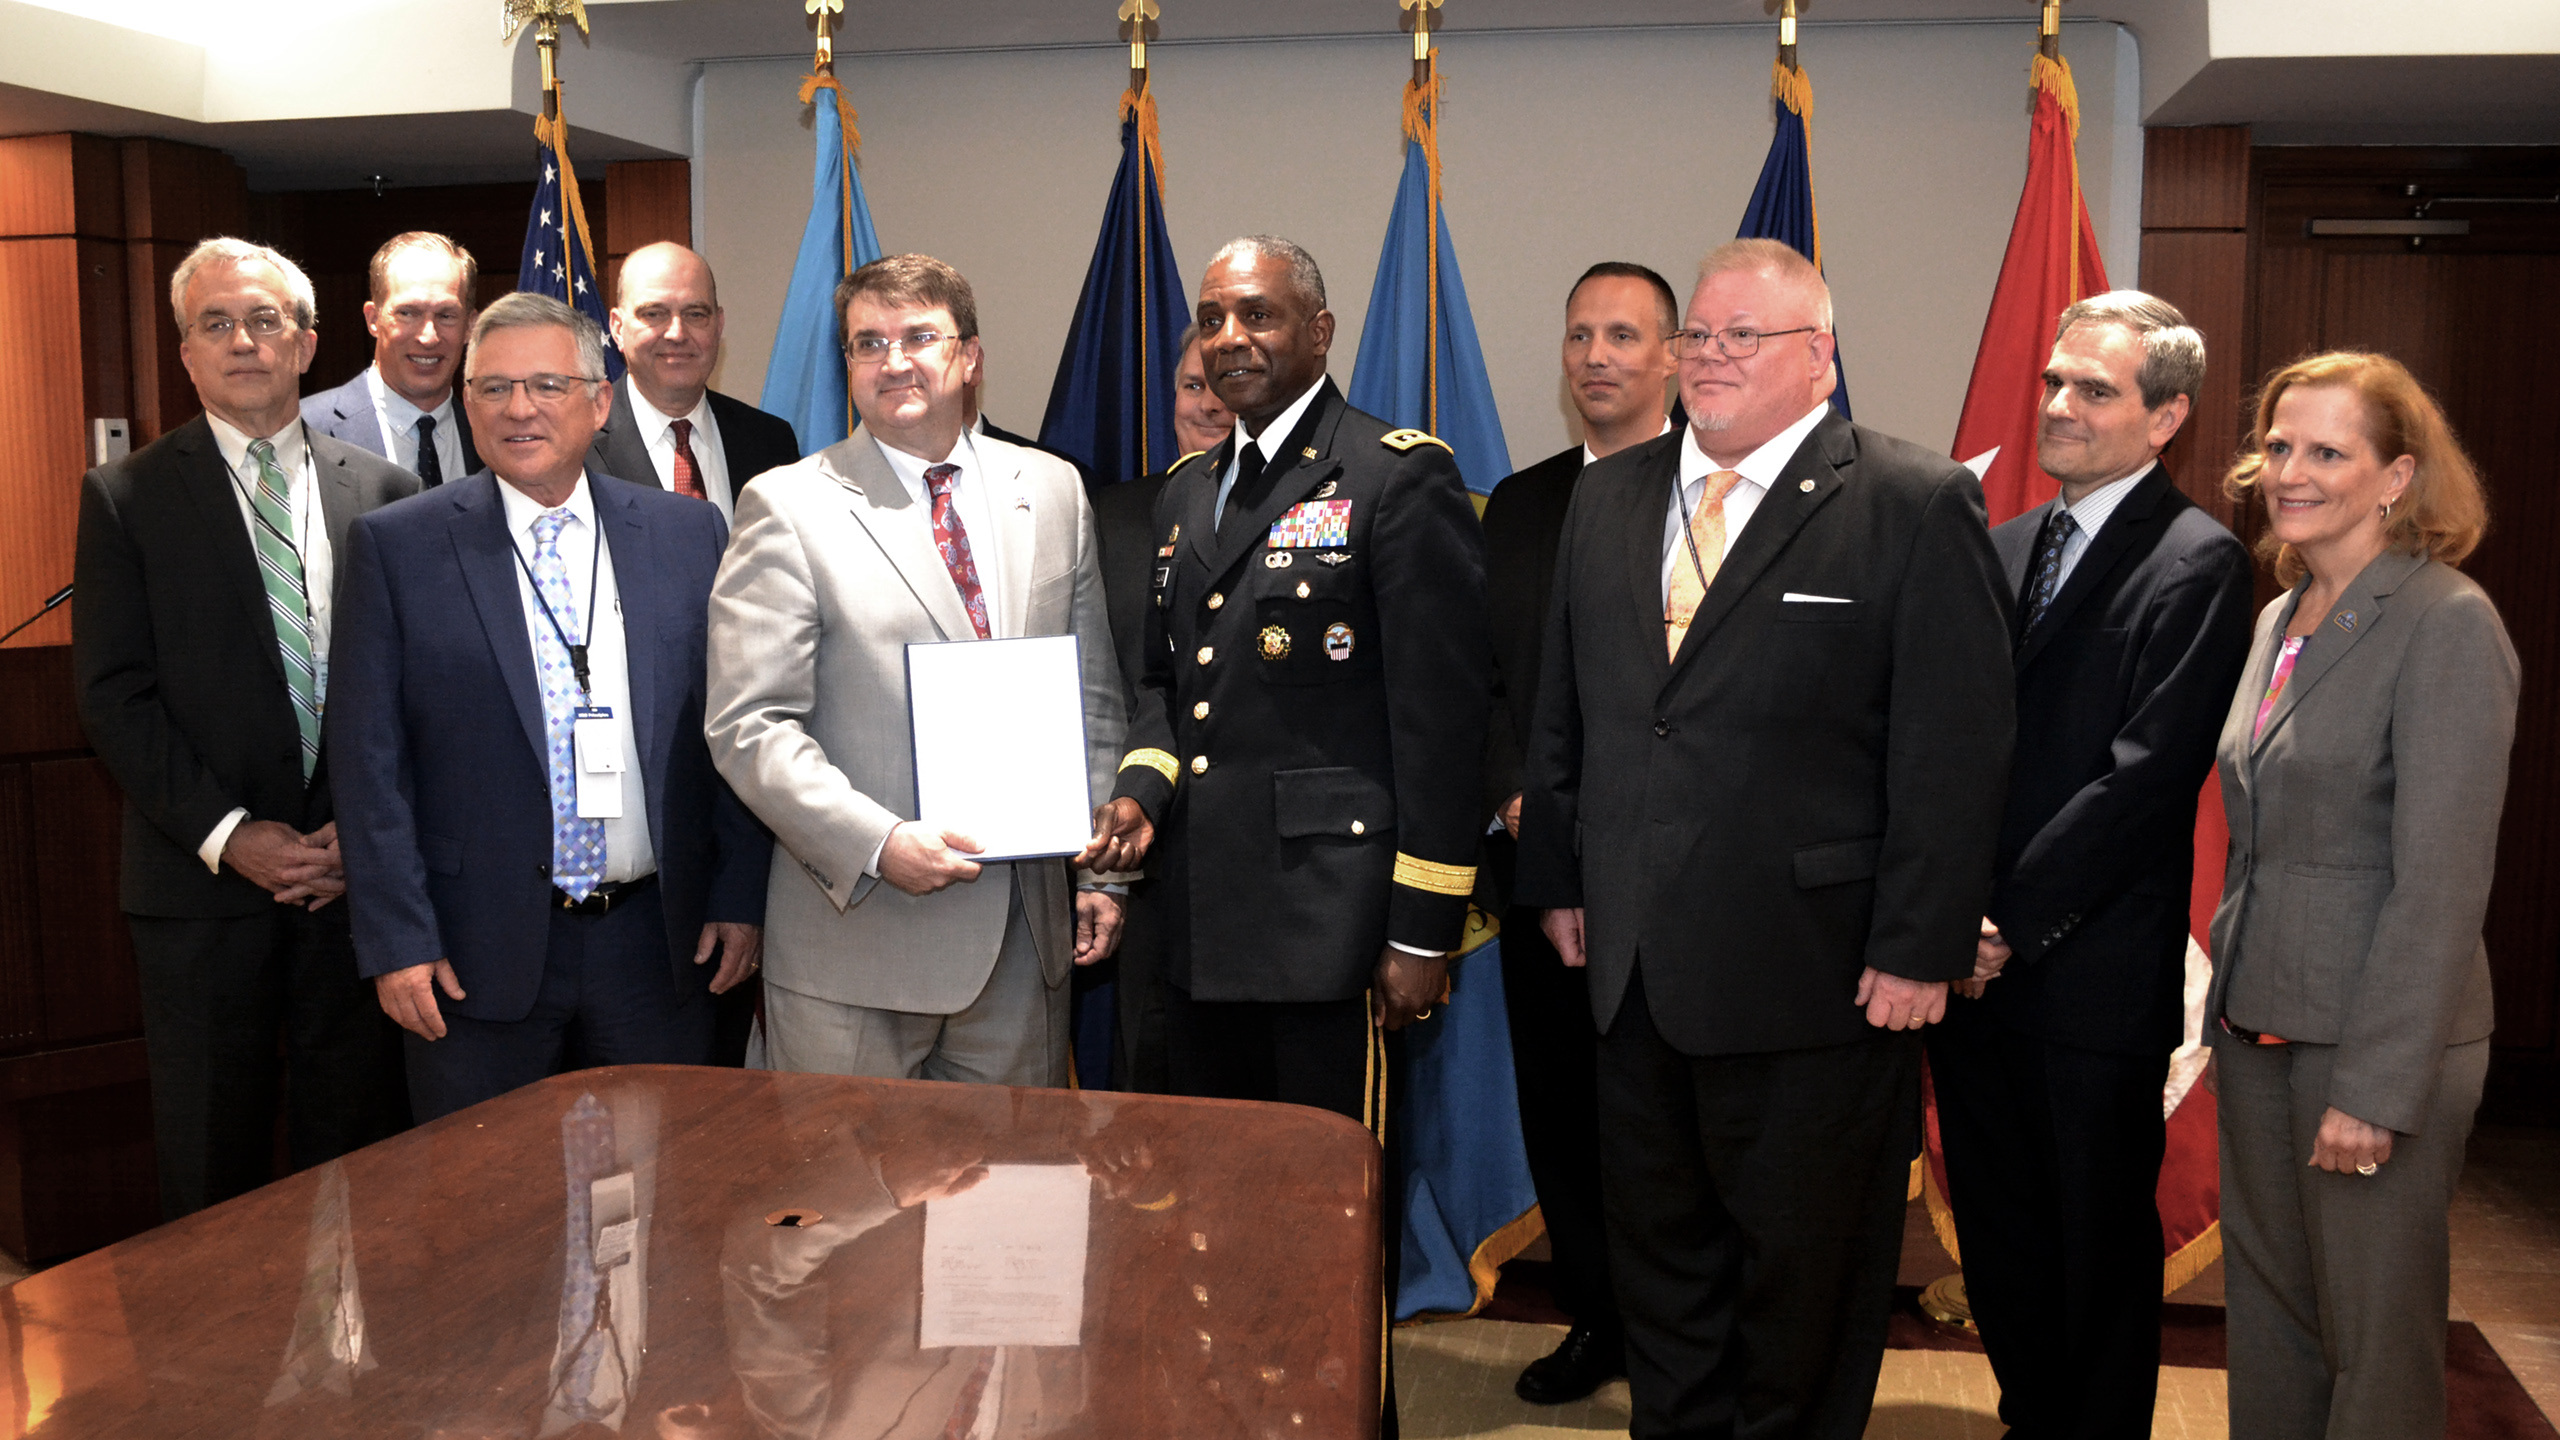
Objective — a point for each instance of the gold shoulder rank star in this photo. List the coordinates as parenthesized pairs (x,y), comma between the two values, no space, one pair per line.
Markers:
(1401,440)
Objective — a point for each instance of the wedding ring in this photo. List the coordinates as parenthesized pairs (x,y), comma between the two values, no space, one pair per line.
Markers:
(1425,1015)
(2367,1168)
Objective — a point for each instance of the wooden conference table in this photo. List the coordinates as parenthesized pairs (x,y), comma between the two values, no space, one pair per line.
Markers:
(691,1254)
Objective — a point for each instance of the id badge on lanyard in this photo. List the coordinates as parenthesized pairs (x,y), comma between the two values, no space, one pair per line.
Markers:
(597,758)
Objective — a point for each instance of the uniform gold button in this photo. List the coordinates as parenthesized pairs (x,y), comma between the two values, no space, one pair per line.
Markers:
(1200,711)
(1207,653)
(1199,764)
(1359,829)
(1303,590)
(1217,600)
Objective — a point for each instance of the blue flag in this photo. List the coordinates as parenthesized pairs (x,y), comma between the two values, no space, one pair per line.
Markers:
(1419,364)
(1111,406)
(558,260)
(1468,1201)
(1782,205)
(804,381)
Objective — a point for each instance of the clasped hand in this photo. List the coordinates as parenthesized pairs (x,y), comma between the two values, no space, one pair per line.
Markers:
(295,868)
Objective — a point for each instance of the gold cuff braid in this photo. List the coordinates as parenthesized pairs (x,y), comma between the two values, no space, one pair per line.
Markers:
(1156,760)
(1436,878)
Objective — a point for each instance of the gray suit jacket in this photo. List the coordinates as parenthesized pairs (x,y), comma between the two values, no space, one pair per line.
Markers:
(2364,827)
(831,572)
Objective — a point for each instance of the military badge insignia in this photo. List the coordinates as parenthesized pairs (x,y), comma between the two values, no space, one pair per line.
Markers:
(1325,490)
(1337,642)
(1313,523)
(1275,643)
(1334,557)
(1277,559)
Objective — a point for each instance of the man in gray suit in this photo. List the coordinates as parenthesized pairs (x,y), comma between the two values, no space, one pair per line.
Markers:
(911,530)
(402,406)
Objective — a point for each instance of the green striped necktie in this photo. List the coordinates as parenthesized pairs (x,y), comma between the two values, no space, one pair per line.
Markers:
(288,601)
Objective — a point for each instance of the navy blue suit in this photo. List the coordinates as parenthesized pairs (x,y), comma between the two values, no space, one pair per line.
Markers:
(346,413)
(439,750)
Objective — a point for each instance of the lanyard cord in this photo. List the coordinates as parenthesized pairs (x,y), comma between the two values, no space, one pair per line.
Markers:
(1680,493)
(578,651)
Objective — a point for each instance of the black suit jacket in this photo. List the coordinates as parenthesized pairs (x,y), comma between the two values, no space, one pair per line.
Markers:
(180,684)
(1308,743)
(2122,692)
(1813,788)
(751,442)
(1124,525)
(1523,522)
(346,413)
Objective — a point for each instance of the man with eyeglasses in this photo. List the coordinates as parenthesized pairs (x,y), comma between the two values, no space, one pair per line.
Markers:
(548,873)
(201,653)
(894,952)
(1618,320)
(668,424)
(402,406)
(1764,784)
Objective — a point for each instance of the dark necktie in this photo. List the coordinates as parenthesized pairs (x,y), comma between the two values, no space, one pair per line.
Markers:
(688,474)
(953,541)
(2046,575)
(1249,465)
(430,464)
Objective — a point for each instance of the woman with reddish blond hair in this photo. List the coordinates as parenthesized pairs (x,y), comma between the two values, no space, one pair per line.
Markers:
(2363,767)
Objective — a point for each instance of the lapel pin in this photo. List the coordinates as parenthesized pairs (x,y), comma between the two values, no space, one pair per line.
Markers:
(1805,486)
(1308,453)
(2347,621)
(1325,490)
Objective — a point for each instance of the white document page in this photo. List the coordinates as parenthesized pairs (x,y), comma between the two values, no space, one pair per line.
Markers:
(1000,745)
(1004,1259)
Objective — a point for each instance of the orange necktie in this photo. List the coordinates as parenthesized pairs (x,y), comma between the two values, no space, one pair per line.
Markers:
(1706,529)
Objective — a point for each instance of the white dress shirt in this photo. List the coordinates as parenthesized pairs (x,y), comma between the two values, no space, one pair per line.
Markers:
(628,854)
(969,501)
(1270,438)
(310,540)
(1759,470)
(1589,459)
(710,462)
(2088,515)
(399,421)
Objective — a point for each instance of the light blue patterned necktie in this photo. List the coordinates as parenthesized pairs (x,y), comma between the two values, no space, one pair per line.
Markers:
(577,846)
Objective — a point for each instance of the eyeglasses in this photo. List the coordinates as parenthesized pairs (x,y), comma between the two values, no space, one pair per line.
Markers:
(264,324)
(545,389)
(875,349)
(1737,342)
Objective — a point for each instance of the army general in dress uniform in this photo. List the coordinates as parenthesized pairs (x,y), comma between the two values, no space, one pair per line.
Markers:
(1312,713)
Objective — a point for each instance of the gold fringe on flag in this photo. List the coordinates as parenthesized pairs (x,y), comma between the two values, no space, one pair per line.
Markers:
(1791,87)
(2053,73)
(810,85)
(1422,125)
(553,130)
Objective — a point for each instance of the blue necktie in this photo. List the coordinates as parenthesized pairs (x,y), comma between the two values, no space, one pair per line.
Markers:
(2048,571)
(577,846)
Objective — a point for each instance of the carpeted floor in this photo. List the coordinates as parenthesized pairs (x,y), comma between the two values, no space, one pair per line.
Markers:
(2502,1346)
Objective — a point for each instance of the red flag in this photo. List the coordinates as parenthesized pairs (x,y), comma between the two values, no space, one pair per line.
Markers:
(2052,261)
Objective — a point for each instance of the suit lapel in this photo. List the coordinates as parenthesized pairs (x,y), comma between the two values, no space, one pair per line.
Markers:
(901,528)
(2015,542)
(488,558)
(636,573)
(208,483)
(2105,549)
(1306,460)
(462,431)
(1643,517)
(1009,505)
(1197,511)
(1812,475)
(624,450)
(2358,610)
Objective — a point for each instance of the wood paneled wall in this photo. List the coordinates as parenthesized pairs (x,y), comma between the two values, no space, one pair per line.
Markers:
(2195,255)
(651,200)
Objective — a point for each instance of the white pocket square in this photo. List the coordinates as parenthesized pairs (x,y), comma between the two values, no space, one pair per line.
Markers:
(1793,597)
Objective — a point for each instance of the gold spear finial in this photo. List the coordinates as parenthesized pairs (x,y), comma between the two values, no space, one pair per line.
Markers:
(1138,26)
(2049,30)
(1417,18)
(826,11)
(545,17)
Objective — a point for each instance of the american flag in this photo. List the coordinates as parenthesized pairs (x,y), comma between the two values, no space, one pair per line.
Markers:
(558,259)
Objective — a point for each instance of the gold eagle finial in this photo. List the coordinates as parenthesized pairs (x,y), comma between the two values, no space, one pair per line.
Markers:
(544,15)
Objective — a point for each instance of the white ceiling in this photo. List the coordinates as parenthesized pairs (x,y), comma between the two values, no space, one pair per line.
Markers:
(461,103)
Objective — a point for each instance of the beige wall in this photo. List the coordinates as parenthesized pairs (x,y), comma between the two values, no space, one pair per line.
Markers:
(1559,149)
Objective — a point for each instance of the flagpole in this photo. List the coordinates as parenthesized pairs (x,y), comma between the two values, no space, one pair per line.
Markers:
(1422,122)
(1138,26)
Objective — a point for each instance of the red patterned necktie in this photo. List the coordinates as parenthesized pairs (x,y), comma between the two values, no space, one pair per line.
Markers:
(953,542)
(688,474)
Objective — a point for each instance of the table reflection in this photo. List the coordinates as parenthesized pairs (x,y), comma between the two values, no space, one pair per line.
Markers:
(592,1256)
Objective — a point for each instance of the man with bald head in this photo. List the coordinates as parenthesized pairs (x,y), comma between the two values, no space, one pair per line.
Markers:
(1763,792)
(668,424)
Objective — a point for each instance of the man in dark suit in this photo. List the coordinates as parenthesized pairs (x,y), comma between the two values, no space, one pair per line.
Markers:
(2133,623)
(668,426)
(1773,727)
(1124,527)
(533,825)
(1618,320)
(402,406)
(202,652)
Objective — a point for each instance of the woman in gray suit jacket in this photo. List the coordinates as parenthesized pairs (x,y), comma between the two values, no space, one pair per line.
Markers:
(2363,766)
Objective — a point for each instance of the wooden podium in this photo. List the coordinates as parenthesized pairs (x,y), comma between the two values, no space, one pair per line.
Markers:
(701,1254)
